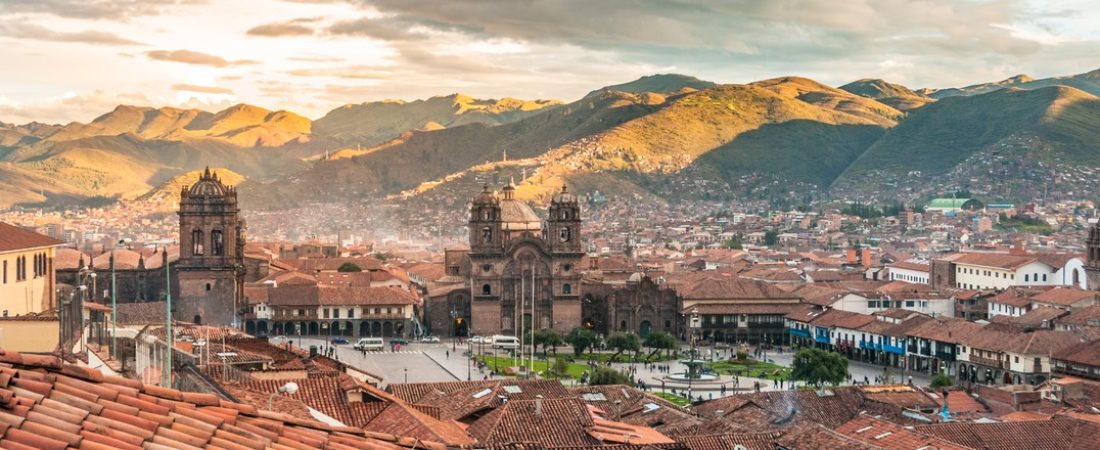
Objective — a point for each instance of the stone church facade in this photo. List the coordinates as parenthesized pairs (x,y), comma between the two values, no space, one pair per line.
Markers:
(211,263)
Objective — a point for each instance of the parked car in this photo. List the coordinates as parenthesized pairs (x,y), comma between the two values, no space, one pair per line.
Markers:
(399,341)
(430,339)
(339,341)
(477,340)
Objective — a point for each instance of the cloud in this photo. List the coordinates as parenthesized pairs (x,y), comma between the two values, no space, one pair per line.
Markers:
(202,89)
(197,58)
(351,72)
(280,29)
(388,29)
(93,9)
(40,33)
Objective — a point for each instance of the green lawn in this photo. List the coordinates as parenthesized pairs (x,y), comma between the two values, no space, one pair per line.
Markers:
(750,368)
(675,399)
(575,370)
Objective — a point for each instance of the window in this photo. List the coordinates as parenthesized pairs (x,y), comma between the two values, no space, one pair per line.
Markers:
(486,290)
(217,242)
(1027,278)
(335,313)
(351,313)
(486,235)
(566,267)
(207,287)
(196,243)
(487,268)
(668,324)
(1044,277)
(1017,359)
(5,272)
(325,312)
(566,289)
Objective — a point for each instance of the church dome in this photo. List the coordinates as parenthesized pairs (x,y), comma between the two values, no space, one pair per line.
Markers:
(517,216)
(208,185)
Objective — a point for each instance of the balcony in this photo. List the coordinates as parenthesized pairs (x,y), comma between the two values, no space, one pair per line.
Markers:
(988,362)
(798,332)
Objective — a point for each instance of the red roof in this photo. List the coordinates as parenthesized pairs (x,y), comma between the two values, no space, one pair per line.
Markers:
(13,238)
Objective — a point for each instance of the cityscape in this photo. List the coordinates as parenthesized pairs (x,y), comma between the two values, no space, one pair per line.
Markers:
(541,225)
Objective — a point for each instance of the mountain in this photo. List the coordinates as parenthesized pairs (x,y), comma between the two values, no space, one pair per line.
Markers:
(938,137)
(670,83)
(895,95)
(375,122)
(1088,82)
(663,137)
(622,134)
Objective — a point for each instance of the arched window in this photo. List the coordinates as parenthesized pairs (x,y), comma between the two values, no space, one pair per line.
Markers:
(622,325)
(486,235)
(566,289)
(217,243)
(208,287)
(486,290)
(197,247)
(1027,278)
(1076,276)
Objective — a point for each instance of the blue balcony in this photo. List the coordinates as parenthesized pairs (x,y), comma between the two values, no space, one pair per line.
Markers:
(798,332)
(870,345)
(896,349)
(822,338)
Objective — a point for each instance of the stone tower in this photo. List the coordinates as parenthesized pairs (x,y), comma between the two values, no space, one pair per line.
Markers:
(210,268)
(1092,265)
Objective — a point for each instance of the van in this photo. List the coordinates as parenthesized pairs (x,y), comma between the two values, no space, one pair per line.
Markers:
(505,342)
(370,344)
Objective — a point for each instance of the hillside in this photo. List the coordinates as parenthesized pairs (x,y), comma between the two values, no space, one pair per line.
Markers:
(939,136)
(374,122)
(419,156)
(1088,82)
(670,83)
(165,197)
(895,95)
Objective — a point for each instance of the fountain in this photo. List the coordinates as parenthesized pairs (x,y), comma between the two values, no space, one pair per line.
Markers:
(694,371)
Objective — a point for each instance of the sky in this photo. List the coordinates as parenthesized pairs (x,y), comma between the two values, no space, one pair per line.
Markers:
(66,60)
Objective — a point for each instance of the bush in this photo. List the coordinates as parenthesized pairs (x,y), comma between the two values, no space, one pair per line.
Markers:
(560,367)
(742,355)
(941,380)
(607,375)
(349,267)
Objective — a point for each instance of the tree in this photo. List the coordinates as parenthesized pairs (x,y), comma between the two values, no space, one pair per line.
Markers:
(771,237)
(733,243)
(606,375)
(547,337)
(941,380)
(623,341)
(560,367)
(816,366)
(581,339)
(659,340)
(349,267)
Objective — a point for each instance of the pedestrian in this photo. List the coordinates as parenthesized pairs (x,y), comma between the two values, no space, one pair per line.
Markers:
(447,353)
(865,380)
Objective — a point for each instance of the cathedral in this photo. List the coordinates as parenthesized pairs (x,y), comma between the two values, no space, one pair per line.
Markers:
(520,270)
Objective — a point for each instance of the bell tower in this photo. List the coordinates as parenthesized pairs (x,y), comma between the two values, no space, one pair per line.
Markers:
(485,223)
(210,269)
(564,223)
(1092,264)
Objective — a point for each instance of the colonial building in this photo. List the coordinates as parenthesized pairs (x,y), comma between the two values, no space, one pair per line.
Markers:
(522,268)
(211,266)
(27,282)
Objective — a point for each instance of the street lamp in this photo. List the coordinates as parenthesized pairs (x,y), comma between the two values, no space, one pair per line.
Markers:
(693,324)
(114,303)
(290,388)
(406,375)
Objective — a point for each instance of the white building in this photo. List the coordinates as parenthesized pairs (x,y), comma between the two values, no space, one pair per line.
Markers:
(1000,271)
(909,271)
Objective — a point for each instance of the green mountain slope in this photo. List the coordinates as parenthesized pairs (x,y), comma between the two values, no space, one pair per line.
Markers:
(669,83)
(937,137)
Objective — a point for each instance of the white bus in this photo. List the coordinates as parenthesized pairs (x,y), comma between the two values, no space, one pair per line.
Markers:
(370,344)
(505,342)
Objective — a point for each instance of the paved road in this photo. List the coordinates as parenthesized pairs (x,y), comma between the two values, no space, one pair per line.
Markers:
(413,363)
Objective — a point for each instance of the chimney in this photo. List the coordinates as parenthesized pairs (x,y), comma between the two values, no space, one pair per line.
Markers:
(538,405)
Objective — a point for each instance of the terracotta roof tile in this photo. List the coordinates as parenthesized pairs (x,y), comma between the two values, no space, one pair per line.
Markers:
(14,238)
